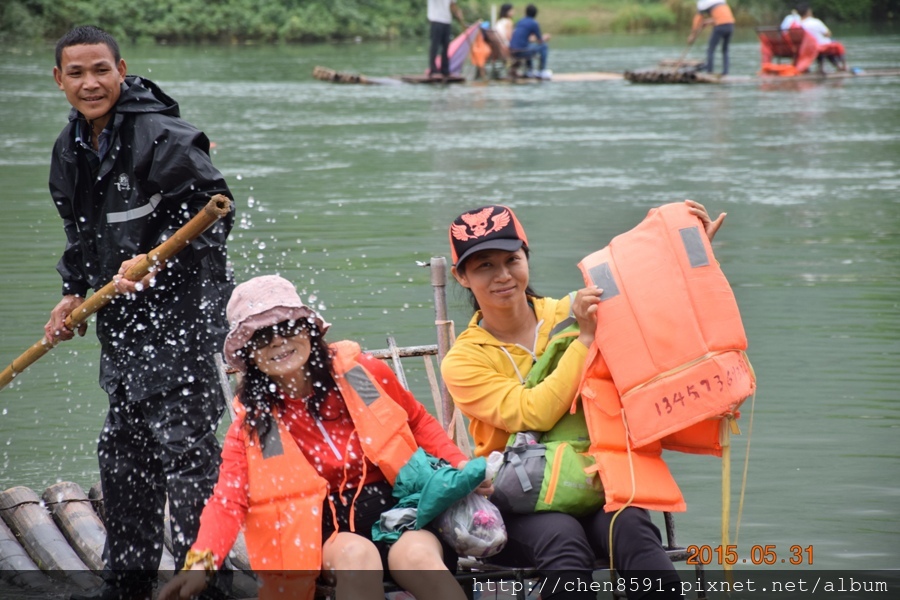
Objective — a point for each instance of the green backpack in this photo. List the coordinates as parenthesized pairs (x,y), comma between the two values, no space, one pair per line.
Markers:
(544,471)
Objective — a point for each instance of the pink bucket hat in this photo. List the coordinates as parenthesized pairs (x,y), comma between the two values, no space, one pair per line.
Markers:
(258,303)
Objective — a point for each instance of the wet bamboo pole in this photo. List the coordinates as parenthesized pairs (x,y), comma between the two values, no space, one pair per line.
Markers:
(445,333)
(215,209)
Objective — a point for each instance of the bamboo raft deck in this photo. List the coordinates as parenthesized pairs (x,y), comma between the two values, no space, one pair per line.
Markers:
(332,76)
(687,73)
(51,545)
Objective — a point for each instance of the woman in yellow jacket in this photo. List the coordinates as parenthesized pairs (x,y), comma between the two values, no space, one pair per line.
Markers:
(485,372)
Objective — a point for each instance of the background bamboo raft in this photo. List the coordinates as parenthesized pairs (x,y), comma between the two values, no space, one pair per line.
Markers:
(332,76)
(326,74)
(668,71)
(690,72)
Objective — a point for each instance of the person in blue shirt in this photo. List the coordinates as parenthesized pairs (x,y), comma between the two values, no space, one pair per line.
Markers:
(527,40)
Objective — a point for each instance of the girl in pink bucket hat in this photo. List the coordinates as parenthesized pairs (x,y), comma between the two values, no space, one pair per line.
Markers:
(309,463)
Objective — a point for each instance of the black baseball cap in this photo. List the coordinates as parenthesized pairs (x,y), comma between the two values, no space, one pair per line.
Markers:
(493,227)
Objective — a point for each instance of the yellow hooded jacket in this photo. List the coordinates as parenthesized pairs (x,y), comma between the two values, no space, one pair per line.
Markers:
(486,378)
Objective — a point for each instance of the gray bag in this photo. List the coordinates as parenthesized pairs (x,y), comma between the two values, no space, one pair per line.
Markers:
(541,472)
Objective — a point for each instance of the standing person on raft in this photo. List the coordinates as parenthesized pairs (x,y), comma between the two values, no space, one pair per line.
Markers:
(126,173)
(718,14)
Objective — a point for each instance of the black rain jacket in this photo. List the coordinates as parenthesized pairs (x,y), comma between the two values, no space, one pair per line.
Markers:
(156,175)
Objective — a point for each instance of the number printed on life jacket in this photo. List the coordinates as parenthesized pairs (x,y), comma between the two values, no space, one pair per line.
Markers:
(732,375)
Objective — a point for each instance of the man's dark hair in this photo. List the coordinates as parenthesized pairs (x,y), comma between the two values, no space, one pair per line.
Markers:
(531,11)
(86,34)
(802,8)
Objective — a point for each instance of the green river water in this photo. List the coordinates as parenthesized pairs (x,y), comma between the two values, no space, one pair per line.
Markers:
(344,188)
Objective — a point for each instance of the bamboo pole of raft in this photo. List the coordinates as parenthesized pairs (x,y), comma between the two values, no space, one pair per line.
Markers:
(217,207)
(72,512)
(444,329)
(29,520)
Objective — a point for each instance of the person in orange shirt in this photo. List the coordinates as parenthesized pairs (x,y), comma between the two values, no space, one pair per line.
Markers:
(719,15)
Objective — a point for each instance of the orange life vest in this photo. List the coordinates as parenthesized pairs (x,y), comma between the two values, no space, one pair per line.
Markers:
(283,528)
(631,476)
(667,368)
(480,50)
(720,14)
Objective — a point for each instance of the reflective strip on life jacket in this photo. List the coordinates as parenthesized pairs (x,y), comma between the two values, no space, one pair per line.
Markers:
(669,329)
(283,528)
(383,426)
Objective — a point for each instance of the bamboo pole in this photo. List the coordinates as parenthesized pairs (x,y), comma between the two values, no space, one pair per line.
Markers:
(684,54)
(215,209)
(444,328)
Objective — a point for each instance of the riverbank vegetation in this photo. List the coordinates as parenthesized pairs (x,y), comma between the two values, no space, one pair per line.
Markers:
(290,21)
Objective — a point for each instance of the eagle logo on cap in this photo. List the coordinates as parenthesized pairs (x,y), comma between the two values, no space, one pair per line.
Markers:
(478,224)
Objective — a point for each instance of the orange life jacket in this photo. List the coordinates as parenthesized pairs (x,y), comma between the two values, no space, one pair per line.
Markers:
(720,14)
(631,476)
(667,368)
(480,50)
(283,528)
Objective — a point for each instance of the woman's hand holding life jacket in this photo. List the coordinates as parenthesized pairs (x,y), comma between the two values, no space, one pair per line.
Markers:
(710,226)
(584,307)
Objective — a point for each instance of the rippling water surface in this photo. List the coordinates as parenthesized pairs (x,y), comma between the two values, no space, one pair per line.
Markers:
(343,188)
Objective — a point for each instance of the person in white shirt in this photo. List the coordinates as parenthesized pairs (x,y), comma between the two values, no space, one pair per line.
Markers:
(792,20)
(504,25)
(828,48)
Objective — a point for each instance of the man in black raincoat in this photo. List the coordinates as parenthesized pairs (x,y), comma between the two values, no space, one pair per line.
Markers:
(126,173)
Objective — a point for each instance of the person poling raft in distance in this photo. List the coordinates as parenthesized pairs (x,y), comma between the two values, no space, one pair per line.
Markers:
(487,372)
(308,466)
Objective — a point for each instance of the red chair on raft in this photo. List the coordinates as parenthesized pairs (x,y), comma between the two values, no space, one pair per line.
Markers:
(795,43)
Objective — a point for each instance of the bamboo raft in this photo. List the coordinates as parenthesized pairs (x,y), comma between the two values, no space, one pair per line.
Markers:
(668,71)
(332,76)
(689,72)
(53,543)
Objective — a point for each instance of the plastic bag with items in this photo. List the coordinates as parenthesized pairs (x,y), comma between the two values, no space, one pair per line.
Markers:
(473,526)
